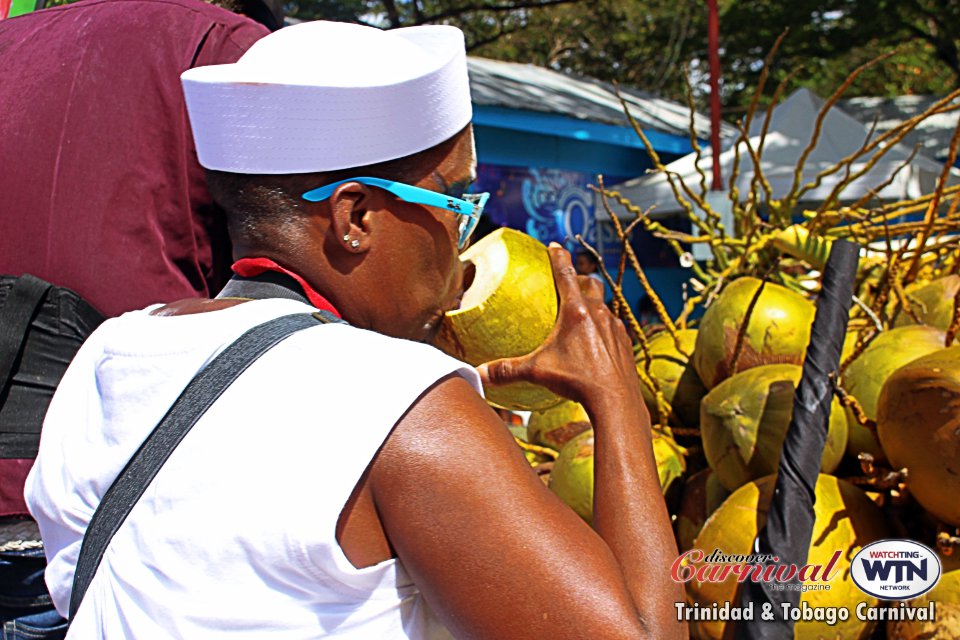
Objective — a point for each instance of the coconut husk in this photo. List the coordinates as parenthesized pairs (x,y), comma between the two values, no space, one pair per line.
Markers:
(777,333)
(556,426)
(865,376)
(744,421)
(678,380)
(918,423)
(572,475)
(932,303)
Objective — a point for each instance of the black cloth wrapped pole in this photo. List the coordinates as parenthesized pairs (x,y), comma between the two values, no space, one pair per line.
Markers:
(790,517)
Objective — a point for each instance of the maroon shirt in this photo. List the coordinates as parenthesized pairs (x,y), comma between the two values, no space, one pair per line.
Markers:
(100,189)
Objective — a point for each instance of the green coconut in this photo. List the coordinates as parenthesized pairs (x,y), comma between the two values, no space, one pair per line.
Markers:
(678,380)
(918,422)
(947,596)
(865,376)
(702,495)
(845,520)
(556,426)
(778,332)
(508,310)
(744,422)
(572,475)
(932,302)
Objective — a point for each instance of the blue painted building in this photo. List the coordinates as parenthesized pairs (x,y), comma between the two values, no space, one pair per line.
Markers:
(542,138)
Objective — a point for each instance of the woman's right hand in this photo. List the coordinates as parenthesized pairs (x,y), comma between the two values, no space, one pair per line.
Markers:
(587,357)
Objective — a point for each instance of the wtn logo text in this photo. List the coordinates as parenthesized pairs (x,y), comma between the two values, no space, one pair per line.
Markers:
(903,570)
(895,569)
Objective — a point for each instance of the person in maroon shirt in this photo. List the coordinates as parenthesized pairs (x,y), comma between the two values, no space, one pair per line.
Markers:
(101,193)
(100,189)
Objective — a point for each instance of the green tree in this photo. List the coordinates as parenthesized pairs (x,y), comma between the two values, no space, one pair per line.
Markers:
(482,21)
(644,43)
(830,38)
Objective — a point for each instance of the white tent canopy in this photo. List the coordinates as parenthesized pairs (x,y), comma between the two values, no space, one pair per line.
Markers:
(791,128)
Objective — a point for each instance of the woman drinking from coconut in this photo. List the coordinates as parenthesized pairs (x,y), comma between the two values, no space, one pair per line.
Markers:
(352,482)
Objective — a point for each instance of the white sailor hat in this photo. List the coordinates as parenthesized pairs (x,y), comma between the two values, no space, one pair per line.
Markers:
(321,96)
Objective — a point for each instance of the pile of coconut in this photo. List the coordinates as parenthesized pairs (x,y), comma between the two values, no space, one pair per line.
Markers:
(890,467)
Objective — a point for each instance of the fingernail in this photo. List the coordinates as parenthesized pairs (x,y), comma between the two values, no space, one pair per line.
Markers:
(555,245)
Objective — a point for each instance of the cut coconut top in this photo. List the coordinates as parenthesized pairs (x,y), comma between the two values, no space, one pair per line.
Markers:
(491,262)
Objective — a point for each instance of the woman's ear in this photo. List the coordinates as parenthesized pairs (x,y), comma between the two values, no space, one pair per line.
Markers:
(348,207)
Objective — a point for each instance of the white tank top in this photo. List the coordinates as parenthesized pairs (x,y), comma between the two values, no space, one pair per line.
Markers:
(236,535)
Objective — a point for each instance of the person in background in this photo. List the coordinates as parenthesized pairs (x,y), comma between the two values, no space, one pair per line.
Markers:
(647,315)
(102,191)
(353,482)
(587,264)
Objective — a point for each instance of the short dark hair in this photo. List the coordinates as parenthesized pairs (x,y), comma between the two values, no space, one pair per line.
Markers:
(257,205)
(589,256)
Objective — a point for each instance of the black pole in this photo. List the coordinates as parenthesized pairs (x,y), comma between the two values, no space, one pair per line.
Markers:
(790,517)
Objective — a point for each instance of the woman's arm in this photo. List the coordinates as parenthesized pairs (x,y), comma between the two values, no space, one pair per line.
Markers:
(495,553)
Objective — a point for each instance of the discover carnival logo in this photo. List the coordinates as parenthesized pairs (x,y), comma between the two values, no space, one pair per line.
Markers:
(895,569)
(757,567)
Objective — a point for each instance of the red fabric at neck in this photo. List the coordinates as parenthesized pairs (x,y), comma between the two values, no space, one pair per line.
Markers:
(250,267)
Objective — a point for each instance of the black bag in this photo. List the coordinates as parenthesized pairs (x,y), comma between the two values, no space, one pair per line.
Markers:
(41,328)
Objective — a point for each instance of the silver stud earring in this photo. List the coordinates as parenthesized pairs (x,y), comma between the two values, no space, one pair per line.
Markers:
(354,243)
(346,237)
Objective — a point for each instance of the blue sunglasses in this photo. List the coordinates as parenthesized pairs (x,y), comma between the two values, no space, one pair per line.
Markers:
(468,208)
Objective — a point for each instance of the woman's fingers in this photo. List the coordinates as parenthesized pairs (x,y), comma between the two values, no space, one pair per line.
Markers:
(504,371)
(591,289)
(564,275)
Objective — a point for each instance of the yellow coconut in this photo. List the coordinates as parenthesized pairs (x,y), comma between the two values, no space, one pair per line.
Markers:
(702,495)
(845,520)
(918,422)
(572,475)
(865,376)
(778,332)
(508,310)
(678,380)
(947,596)
(849,344)
(556,426)
(932,302)
(744,422)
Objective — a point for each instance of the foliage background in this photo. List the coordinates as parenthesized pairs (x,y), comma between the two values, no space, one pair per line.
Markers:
(653,44)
